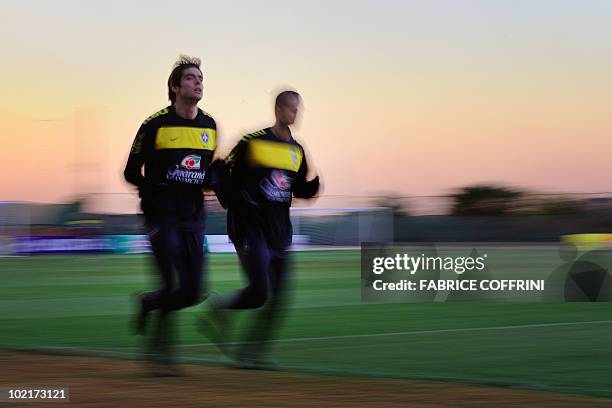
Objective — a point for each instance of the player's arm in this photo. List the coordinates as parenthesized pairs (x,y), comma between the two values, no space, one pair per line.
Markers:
(303,188)
(220,173)
(226,174)
(218,180)
(136,159)
(235,160)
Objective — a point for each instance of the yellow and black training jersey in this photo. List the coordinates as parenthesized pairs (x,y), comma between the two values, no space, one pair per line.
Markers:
(266,172)
(175,153)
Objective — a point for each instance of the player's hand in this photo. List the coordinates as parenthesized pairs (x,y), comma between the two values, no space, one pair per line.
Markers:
(307,189)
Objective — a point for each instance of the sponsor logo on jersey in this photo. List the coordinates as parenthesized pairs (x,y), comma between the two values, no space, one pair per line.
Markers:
(277,187)
(185,176)
(280,180)
(205,137)
(191,162)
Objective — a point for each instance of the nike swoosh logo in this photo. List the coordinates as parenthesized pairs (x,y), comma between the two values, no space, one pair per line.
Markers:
(174,140)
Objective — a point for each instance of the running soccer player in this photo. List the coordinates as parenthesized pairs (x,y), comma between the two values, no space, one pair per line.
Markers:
(266,169)
(175,146)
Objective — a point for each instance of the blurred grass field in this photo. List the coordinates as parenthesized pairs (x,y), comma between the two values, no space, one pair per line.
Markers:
(80,304)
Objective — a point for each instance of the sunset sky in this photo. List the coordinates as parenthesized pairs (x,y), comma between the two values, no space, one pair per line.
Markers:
(411,97)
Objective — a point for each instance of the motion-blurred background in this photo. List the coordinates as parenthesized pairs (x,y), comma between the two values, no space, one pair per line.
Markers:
(463,122)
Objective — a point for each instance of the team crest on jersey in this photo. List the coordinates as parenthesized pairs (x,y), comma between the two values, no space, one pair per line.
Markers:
(205,137)
(191,162)
(294,156)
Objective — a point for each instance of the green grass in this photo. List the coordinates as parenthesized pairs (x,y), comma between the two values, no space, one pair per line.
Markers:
(82,303)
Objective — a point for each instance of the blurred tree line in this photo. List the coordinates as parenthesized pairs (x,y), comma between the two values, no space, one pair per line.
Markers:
(497,200)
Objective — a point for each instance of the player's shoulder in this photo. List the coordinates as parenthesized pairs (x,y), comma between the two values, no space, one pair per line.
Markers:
(207,118)
(156,117)
(254,135)
(296,141)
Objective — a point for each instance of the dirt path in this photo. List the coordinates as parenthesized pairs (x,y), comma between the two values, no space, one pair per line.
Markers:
(101,382)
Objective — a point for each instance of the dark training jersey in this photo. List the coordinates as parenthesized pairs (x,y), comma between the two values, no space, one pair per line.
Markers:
(176,153)
(266,172)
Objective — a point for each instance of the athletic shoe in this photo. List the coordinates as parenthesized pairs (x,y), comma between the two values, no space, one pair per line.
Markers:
(213,323)
(165,370)
(245,362)
(139,321)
